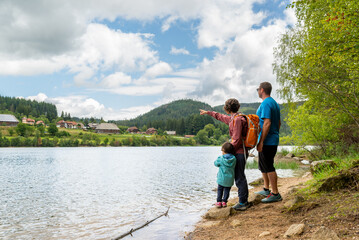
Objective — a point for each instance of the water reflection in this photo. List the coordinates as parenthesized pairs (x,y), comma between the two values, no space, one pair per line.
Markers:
(99,193)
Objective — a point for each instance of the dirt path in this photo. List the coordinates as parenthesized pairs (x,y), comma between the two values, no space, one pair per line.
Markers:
(256,220)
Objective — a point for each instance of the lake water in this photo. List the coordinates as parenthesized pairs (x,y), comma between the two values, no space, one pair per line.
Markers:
(101,193)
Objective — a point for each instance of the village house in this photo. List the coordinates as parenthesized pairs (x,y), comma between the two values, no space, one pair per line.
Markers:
(107,128)
(133,130)
(151,131)
(61,124)
(71,124)
(172,133)
(80,126)
(8,120)
(92,125)
(40,123)
(66,124)
(28,121)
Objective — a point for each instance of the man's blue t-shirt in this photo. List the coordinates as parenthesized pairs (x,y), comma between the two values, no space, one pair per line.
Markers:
(270,109)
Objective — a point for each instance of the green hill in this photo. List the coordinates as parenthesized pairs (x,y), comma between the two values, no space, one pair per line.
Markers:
(181,116)
(176,109)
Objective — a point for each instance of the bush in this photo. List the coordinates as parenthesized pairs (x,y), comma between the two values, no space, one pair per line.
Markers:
(61,134)
(24,130)
(52,129)
(16,142)
(28,142)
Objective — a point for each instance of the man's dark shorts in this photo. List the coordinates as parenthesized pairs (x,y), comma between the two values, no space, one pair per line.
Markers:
(266,158)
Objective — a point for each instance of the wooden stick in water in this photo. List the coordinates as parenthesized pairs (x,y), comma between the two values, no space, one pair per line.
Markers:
(142,226)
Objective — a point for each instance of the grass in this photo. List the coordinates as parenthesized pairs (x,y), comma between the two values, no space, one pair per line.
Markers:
(284,152)
(278,165)
(342,163)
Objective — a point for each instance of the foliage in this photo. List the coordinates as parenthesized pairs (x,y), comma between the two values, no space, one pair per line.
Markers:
(317,61)
(52,129)
(21,107)
(60,134)
(41,130)
(24,130)
(202,137)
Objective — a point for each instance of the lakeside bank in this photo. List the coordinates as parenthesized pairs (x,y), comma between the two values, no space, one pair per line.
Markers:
(306,212)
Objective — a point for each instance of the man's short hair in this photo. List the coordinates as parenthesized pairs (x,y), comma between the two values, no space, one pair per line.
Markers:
(228,148)
(267,87)
(232,105)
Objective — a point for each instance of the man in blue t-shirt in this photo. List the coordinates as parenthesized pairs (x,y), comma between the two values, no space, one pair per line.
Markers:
(268,141)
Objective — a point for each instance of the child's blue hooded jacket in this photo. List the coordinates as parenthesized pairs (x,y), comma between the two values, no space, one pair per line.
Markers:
(226,164)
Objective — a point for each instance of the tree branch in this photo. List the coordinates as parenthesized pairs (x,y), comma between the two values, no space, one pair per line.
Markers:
(142,226)
(339,100)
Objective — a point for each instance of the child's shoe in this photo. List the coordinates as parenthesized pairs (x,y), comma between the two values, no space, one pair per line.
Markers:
(224,204)
(218,204)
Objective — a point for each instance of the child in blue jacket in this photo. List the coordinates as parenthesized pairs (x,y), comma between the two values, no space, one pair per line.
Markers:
(225,176)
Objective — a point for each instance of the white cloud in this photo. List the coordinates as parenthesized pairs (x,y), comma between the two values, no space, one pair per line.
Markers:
(167,24)
(290,17)
(141,90)
(41,97)
(178,51)
(82,106)
(245,63)
(225,19)
(101,49)
(116,80)
(158,69)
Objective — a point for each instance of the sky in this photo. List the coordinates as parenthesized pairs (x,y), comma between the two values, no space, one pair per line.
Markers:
(119,59)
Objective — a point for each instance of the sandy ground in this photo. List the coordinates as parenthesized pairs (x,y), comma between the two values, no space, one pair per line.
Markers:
(271,217)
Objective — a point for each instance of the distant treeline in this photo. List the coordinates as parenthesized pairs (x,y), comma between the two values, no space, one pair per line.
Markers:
(22,107)
(92,140)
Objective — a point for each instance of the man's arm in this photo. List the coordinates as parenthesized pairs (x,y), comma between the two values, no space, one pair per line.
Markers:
(266,126)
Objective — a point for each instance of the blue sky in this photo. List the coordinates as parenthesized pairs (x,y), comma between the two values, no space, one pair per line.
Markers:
(119,59)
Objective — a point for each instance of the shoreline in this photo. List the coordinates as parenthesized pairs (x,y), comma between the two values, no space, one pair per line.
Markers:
(210,228)
(302,214)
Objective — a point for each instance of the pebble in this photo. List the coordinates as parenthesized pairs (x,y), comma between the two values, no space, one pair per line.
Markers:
(265,233)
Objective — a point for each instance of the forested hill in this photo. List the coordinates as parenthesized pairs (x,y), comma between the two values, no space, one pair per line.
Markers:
(21,107)
(174,110)
(181,116)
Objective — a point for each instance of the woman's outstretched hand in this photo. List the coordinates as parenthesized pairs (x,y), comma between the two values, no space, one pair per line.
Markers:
(203,112)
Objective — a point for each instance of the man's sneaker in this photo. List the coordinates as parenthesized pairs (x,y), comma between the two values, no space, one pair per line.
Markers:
(272,198)
(224,204)
(241,206)
(263,193)
(218,204)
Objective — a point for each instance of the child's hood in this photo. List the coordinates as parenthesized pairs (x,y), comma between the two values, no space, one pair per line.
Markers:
(229,160)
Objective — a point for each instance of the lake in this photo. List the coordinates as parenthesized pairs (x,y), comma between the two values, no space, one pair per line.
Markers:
(101,193)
